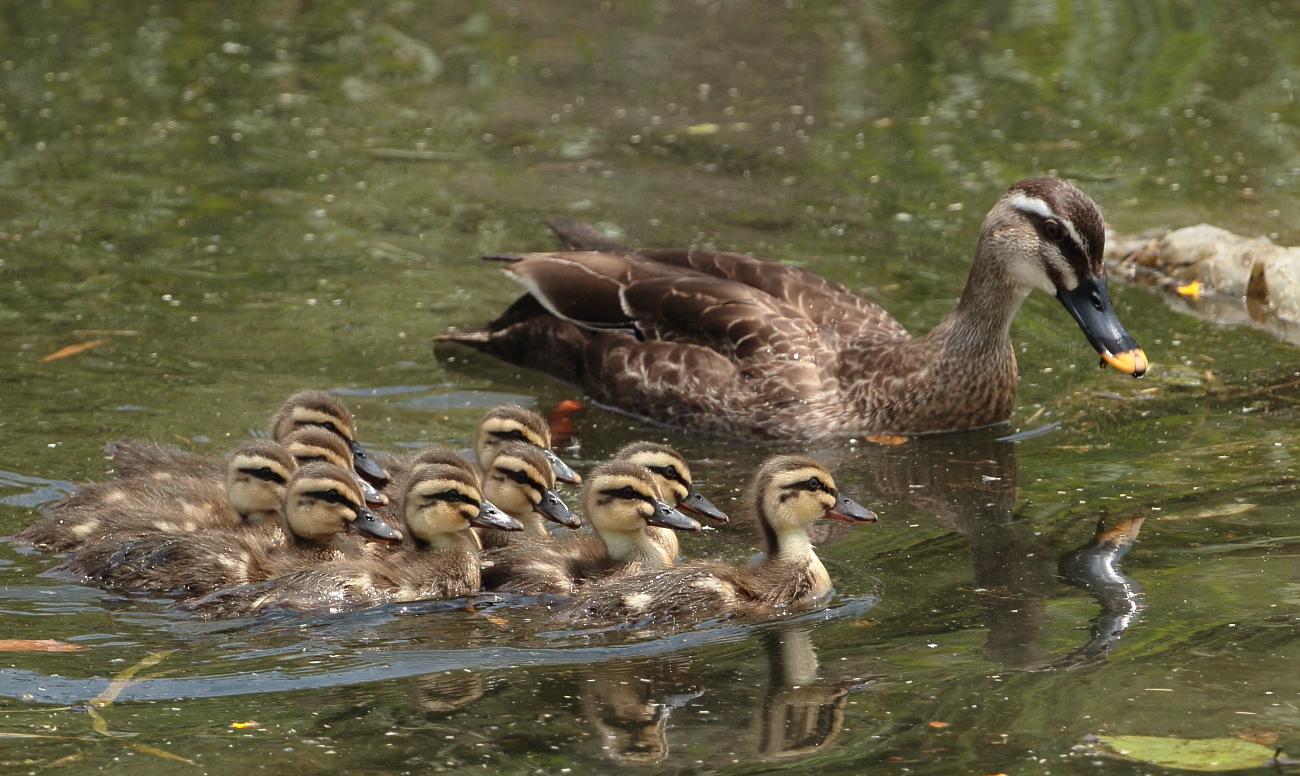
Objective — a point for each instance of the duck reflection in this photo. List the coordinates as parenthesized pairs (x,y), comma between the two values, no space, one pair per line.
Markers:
(794,712)
(969,483)
(800,714)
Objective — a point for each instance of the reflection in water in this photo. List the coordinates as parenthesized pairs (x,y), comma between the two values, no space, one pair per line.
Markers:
(795,713)
(969,484)
(799,715)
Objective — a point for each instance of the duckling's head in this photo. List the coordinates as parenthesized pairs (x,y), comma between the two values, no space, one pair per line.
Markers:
(317,408)
(622,497)
(511,422)
(1051,236)
(256,474)
(440,454)
(323,500)
(441,500)
(792,492)
(673,476)
(521,480)
(314,444)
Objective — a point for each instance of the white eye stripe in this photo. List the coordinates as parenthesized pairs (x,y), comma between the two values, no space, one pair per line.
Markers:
(1035,206)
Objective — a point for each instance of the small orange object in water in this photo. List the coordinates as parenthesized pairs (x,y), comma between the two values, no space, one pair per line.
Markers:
(886,439)
(73,350)
(939,725)
(242,725)
(1192,290)
(561,421)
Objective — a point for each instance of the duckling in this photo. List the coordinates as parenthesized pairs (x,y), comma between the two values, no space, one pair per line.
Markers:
(790,493)
(439,502)
(520,481)
(321,502)
(621,501)
(138,458)
(673,476)
(511,422)
(752,348)
(310,444)
(256,473)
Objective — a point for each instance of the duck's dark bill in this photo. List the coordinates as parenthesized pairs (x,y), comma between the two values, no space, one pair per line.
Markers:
(371,527)
(366,466)
(489,516)
(553,507)
(846,510)
(563,472)
(700,506)
(1089,303)
(666,517)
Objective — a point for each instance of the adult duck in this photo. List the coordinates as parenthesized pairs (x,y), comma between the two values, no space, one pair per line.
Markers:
(748,347)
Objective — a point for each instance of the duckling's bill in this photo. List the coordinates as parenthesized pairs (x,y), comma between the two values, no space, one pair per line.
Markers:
(366,466)
(552,507)
(490,516)
(563,472)
(1089,304)
(665,516)
(372,527)
(846,510)
(698,505)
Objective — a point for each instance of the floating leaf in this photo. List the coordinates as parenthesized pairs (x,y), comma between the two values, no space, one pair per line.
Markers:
(1202,754)
(37,645)
(73,350)
(242,725)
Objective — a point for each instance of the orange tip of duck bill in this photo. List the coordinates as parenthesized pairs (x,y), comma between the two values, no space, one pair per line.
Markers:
(1133,361)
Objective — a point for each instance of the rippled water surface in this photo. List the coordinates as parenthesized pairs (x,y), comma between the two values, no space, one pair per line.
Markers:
(223,203)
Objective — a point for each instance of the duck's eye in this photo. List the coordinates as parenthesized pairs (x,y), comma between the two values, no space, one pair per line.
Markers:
(669,472)
(1053,230)
(815,483)
(519,477)
(454,497)
(265,473)
(513,433)
(627,492)
(332,496)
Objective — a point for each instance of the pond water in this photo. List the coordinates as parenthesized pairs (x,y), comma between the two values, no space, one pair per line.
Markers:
(223,203)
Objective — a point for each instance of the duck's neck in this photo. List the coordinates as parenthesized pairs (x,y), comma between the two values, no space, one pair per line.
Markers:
(633,547)
(457,541)
(980,324)
(794,550)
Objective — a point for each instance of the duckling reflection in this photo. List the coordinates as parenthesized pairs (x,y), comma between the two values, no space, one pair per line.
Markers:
(795,712)
(969,484)
(800,714)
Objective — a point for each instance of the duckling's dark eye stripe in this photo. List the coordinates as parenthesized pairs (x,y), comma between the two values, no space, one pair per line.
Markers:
(332,496)
(452,497)
(669,473)
(304,459)
(265,473)
(514,434)
(812,485)
(628,493)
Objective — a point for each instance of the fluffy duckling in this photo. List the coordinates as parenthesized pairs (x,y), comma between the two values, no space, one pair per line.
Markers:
(256,473)
(317,409)
(314,444)
(513,423)
(321,503)
(440,501)
(621,501)
(673,476)
(790,493)
(520,481)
